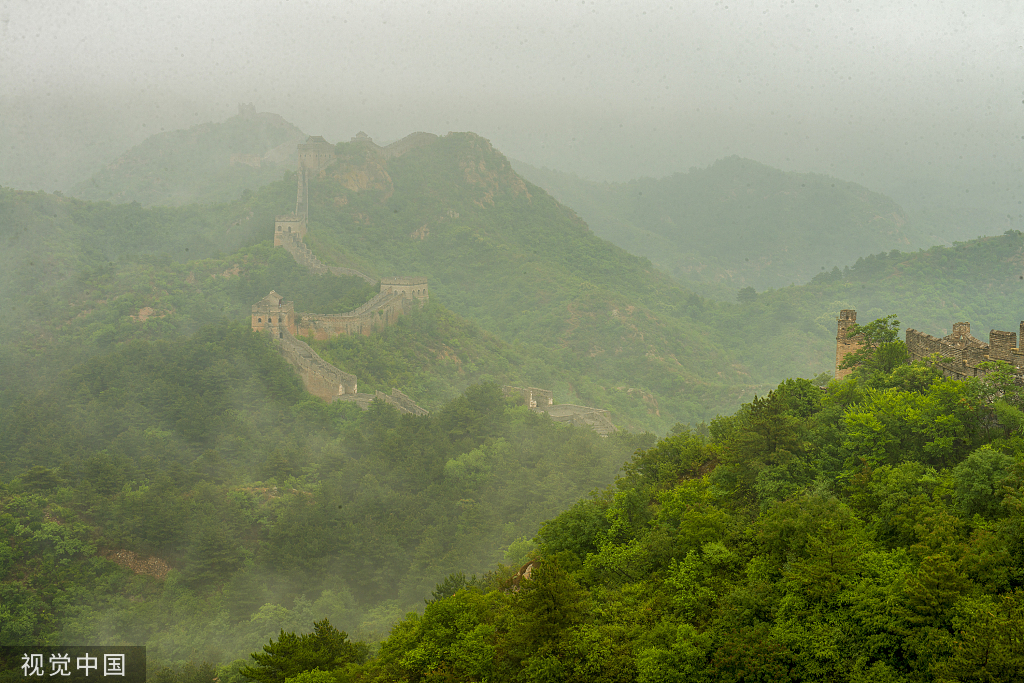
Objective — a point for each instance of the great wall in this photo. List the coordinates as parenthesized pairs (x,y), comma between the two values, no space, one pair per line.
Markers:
(398,295)
(274,316)
(958,354)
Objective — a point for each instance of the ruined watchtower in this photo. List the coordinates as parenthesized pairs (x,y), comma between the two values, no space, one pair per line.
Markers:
(846,344)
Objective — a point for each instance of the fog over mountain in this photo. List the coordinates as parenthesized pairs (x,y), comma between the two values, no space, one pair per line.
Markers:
(920,101)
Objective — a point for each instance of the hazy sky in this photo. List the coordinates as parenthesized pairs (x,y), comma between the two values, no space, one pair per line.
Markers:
(896,95)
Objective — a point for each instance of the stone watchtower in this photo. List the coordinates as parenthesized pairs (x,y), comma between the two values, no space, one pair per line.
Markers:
(274,315)
(844,343)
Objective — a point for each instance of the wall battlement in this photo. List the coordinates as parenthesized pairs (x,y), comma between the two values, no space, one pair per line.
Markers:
(960,352)
(318,376)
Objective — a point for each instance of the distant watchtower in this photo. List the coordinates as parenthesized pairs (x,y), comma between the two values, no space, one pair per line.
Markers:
(315,153)
(844,343)
(414,288)
(314,156)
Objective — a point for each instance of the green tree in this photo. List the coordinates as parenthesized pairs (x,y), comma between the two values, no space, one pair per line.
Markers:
(977,482)
(882,350)
(326,648)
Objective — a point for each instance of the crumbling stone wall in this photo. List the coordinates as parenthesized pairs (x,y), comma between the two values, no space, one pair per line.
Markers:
(961,352)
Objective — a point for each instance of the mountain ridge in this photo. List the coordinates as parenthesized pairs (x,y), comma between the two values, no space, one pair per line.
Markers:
(737,223)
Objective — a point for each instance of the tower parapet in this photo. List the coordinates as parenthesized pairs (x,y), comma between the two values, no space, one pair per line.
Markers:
(288,226)
(315,154)
(414,288)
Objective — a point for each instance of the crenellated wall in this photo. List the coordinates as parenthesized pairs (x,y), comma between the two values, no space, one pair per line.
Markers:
(376,314)
(275,316)
(597,419)
(961,353)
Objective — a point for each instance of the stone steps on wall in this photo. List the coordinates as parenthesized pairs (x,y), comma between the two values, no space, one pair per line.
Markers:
(403,403)
(597,419)
(302,254)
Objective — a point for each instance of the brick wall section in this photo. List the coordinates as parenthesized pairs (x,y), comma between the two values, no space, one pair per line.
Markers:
(402,402)
(293,244)
(376,314)
(318,376)
(597,419)
(1002,345)
(289,226)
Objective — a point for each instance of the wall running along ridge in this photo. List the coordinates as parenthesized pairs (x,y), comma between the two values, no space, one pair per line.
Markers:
(542,401)
(960,353)
(274,316)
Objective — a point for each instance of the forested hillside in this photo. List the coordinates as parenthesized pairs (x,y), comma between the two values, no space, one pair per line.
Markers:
(503,253)
(165,480)
(871,532)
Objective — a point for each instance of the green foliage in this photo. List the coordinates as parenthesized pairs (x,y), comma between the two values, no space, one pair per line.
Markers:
(324,649)
(977,482)
(881,349)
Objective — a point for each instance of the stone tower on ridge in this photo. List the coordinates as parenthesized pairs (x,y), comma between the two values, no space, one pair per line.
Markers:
(273,315)
(846,344)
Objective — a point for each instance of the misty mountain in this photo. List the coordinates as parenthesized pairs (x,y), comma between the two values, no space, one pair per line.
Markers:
(737,223)
(207,163)
(505,254)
